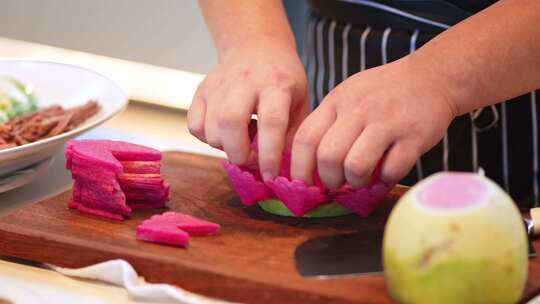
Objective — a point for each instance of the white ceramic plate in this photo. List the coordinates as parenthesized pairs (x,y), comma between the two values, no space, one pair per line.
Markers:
(66,85)
(24,176)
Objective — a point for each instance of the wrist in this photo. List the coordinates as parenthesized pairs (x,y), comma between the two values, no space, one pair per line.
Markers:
(256,46)
(459,78)
(438,77)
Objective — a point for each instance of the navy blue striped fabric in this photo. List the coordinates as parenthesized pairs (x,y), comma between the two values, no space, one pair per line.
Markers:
(502,140)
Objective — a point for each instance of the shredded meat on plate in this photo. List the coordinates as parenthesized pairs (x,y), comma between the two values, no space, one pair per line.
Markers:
(45,122)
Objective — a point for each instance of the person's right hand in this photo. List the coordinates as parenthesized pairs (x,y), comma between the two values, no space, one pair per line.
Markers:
(263,78)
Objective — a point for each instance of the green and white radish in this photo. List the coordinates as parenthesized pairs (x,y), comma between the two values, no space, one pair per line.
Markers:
(455,238)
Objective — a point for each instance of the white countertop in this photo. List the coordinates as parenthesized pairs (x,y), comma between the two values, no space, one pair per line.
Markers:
(143,82)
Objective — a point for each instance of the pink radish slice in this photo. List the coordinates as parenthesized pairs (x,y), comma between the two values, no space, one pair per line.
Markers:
(248,188)
(141,167)
(163,233)
(362,201)
(141,181)
(174,228)
(132,152)
(113,203)
(101,185)
(296,195)
(101,163)
(97,157)
(192,225)
(96,212)
(109,152)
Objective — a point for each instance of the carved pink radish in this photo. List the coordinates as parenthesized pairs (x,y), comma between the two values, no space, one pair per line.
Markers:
(298,197)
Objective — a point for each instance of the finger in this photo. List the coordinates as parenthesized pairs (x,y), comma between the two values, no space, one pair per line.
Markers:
(364,155)
(296,117)
(211,122)
(272,124)
(307,139)
(398,161)
(234,120)
(333,150)
(196,116)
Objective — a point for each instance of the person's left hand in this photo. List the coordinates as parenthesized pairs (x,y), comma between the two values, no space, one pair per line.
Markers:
(399,111)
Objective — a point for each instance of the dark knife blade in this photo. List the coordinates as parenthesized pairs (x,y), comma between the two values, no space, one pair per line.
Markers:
(358,253)
(529,226)
(342,254)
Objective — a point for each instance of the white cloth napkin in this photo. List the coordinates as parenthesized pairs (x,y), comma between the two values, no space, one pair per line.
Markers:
(109,282)
(121,273)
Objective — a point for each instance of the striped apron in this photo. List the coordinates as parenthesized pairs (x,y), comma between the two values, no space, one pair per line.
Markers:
(349,36)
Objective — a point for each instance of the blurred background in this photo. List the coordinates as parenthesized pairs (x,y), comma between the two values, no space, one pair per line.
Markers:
(157,50)
(168,33)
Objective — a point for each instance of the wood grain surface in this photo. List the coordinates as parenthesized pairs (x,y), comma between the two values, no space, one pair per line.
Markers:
(250,261)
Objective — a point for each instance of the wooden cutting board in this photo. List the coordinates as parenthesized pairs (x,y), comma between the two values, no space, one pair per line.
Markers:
(250,261)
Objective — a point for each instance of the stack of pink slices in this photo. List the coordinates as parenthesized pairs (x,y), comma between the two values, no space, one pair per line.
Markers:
(174,228)
(297,198)
(111,177)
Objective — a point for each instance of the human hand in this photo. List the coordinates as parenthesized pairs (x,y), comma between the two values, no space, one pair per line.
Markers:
(397,111)
(266,78)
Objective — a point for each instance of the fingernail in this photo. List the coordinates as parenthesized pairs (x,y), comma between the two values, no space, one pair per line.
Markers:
(267,176)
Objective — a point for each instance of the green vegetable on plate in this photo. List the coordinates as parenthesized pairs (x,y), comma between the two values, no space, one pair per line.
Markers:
(16,99)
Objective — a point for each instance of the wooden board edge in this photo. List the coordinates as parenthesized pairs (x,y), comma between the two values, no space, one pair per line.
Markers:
(14,244)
